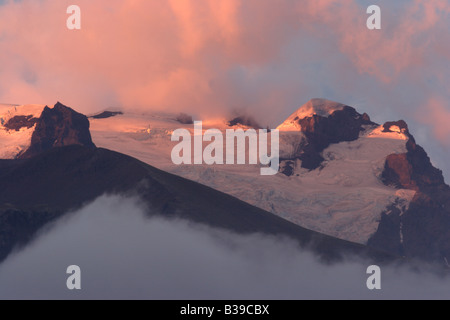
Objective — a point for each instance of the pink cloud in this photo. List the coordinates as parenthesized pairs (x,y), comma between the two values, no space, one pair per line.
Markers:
(181,54)
(437,114)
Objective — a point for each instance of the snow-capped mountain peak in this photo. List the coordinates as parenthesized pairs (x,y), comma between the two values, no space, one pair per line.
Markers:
(28,130)
(320,107)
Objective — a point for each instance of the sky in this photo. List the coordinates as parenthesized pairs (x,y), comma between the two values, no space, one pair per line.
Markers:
(122,254)
(213,57)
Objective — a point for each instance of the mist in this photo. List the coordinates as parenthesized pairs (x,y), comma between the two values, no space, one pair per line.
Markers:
(125,254)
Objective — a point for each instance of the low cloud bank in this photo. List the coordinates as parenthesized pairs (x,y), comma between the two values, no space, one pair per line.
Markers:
(125,255)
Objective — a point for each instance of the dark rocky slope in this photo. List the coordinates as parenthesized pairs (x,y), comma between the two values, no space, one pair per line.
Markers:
(18,122)
(423,230)
(341,125)
(38,190)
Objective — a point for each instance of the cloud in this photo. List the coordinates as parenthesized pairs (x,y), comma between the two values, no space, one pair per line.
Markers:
(124,254)
(437,116)
(212,57)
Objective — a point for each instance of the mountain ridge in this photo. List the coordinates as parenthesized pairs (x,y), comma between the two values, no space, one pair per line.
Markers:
(30,202)
(420,230)
(341,174)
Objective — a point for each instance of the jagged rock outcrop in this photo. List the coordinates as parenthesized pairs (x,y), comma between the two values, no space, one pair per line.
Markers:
(423,230)
(416,228)
(58,127)
(341,125)
(184,118)
(18,122)
(321,129)
(107,114)
(244,121)
(413,169)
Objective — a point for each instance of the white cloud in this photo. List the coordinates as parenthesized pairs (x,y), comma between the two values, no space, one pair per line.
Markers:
(125,254)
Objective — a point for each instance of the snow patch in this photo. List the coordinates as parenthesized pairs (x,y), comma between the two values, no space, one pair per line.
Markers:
(395,129)
(378,133)
(12,142)
(9,111)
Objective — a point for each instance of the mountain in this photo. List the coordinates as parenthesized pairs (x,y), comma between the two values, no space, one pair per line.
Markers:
(58,127)
(341,175)
(40,189)
(417,226)
(26,131)
(62,170)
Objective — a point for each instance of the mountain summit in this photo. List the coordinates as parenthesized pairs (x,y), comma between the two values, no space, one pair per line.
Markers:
(58,127)
(321,123)
(26,131)
(319,107)
(367,163)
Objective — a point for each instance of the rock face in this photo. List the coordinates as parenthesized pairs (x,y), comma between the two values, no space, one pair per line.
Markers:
(419,229)
(184,118)
(344,124)
(18,122)
(412,170)
(423,230)
(244,121)
(107,114)
(341,125)
(58,127)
